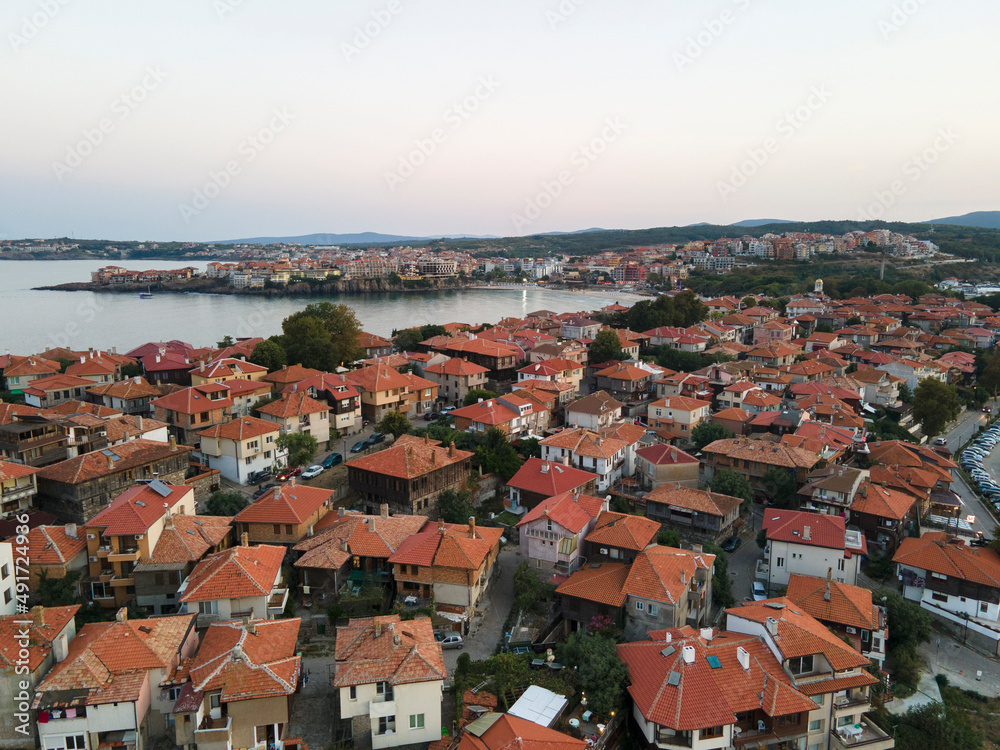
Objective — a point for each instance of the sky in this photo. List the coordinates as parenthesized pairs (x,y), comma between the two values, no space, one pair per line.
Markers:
(206,120)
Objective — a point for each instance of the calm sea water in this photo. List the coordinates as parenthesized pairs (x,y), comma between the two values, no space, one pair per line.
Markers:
(32,321)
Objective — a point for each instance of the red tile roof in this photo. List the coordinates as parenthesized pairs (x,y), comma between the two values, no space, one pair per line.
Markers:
(138,508)
(235,573)
(10,470)
(186,539)
(700,501)
(802,527)
(410,457)
(548,478)
(292,504)
(137,387)
(934,552)
(294,405)
(831,601)
(603,583)
(43,626)
(882,502)
(377,378)
(662,454)
(449,546)
(194,400)
(514,733)
(664,574)
(367,651)
(241,429)
(570,512)
(362,535)
(93,465)
(51,545)
(456,366)
(623,531)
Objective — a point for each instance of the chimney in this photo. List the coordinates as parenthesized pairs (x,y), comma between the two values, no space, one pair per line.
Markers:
(688,654)
(772,626)
(344,546)
(697,549)
(38,616)
(472,526)
(451,449)
(806,533)
(136,379)
(201,366)
(244,539)
(121,615)
(111,461)
(378,628)
(743,657)
(545,467)
(669,638)
(706,633)
(341,512)
(291,481)
(440,524)
(683,577)
(83,360)
(251,627)
(383,510)
(396,640)
(71,530)
(565,460)
(138,422)
(173,443)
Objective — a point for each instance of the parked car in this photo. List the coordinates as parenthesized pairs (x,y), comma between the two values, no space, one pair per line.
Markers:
(375,439)
(359,446)
(261,490)
(313,471)
(285,474)
(941,441)
(332,460)
(759,592)
(452,641)
(447,409)
(731,544)
(258,477)
(431,416)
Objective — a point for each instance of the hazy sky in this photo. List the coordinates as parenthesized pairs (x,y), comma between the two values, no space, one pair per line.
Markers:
(218,119)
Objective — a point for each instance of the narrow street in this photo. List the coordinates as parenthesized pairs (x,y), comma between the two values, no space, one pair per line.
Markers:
(958,434)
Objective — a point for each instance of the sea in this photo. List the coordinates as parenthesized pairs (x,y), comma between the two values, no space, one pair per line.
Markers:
(32,321)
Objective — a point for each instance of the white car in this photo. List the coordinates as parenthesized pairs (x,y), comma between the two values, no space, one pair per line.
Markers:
(313,471)
(759,592)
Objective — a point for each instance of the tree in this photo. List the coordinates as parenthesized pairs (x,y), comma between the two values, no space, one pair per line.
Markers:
(57,592)
(406,340)
(910,626)
(722,585)
(728,482)
(227,340)
(529,591)
(131,371)
(709,432)
(669,538)
(430,330)
(781,486)
(395,423)
(606,347)
(301,447)
(225,504)
(497,455)
(619,504)
(262,402)
(475,394)
(603,676)
(270,354)
(530,447)
(394,278)
(455,507)
(824,328)
(905,393)
(935,404)
(322,336)
(989,376)
(747,302)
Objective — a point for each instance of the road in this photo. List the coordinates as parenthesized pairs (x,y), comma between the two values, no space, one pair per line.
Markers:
(960,432)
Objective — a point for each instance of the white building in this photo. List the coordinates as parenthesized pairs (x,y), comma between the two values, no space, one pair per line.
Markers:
(552,533)
(811,544)
(242,447)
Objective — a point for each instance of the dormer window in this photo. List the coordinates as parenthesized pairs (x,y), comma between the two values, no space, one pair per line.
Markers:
(801,665)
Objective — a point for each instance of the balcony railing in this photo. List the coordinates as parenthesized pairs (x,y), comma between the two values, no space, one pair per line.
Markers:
(867,735)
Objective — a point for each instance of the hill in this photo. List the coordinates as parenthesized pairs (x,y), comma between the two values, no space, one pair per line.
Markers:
(357,238)
(983,219)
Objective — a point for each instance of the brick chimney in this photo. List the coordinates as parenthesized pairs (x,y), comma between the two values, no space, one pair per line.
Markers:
(378,628)
(440,524)
(110,460)
(451,449)
(383,510)
(173,443)
(138,422)
(472,526)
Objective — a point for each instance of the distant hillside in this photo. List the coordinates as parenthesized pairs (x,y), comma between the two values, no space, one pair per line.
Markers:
(983,219)
(761,222)
(358,238)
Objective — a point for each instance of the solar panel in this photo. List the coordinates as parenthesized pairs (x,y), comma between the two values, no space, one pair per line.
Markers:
(159,488)
(674,679)
(713,662)
(669,651)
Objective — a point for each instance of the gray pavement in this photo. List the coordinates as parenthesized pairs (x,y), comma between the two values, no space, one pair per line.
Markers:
(960,664)
(743,561)
(487,626)
(957,435)
(312,708)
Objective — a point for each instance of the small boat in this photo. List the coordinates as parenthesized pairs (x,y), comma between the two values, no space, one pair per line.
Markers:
(146,294)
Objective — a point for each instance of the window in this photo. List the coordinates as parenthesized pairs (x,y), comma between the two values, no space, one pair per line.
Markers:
(7,596)
(639,606)
(209,608)
(76,742)
(4,571)
(779,563)
(416,721)
(840,564)
(384,689)
(98,590)
(652,609)
(984,607)
(215,700)
(844,721)
(288,528)
(711,732)
(786,721)
(939,597)
(173,693)
(386,724)
(801,664)
(818,699)
(354,692)
(248,460)
(816,725)
(277,528)
(939,576)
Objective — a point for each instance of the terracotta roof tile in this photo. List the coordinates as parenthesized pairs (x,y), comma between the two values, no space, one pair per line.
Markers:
(235,573)
(94,465)
(664,574)
(43,625)
(571,512)
(51,545)
(240,429)
(934,552)
(363,535)
(410,457)
(701,501)
(285,504)
(548,478)
(623,531)
(138,508)
(367,651)
(832,601)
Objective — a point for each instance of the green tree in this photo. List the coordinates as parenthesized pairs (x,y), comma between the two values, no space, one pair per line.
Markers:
(227,340)
(455,507)
(620,504)
(722,585)
(824,328)
(935,404)
(728,482)
(905,393)
(497,455)
(301,447)
(57,592)
(429,331)
(603,676)
(762,538)
(781,486)
(529,591)
(394,278)
(747,302)
(395,423)
(530,447)
(709,432)
(475,394)
(669,538)
(262,402)
(225,503)
(406,340)
(989,376)
(322,336)
(270,354)
(132,371)
(606,347)
(910,626)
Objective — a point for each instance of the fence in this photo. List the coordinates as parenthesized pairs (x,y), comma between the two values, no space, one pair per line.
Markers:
(977,634)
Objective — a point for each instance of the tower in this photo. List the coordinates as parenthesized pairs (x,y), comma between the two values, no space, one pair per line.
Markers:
(819,286)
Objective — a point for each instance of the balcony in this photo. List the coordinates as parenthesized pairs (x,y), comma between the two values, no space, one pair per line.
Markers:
(866,735)
(214,731)
(121,582)
(276,602)
(758,736)
(10,495)
(850,699)
(124,555)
